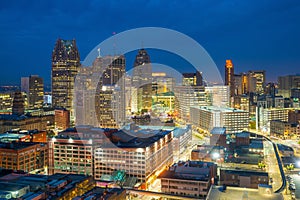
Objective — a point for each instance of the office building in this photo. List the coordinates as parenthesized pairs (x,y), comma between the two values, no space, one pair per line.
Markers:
(187,96)
(256,81)
(229,76)
(25,156)
(142,80)
(294,116)
(243,178)
(192,79)
(140,154)
(208,117)
(6,100)
(33,86)
(62,118)
(265,115)
(72,151)
(218,95)
(191,178)
(65,66)
(284,130)
(161,83)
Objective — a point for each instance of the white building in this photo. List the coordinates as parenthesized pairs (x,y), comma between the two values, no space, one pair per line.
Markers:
(139,157)
(208,117)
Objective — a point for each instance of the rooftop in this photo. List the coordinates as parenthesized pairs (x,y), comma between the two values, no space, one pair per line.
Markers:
(218,109)
(218,131)
(217,192)
(17,145)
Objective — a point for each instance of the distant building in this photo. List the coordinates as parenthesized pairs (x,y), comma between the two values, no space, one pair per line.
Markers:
(18,107)
(208,117)
(243,178)
(33,86)
(265,115)
(256,81)
(218,136)
(62,119)
(192,79)
(18,135)
(24,156)
(191,178)
(229,76)
(182,138)
(242,138)
(284,130)
(6,101)
(142,80)
(162,83)
(65,66)
(188,96)
(294,116)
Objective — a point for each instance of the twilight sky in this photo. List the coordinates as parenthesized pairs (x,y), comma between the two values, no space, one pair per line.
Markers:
(254,34)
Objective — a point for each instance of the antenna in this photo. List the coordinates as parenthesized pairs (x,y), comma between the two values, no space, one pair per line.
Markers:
(99,52)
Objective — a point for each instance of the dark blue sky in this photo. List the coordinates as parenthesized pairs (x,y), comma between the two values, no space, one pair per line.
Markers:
(254,34)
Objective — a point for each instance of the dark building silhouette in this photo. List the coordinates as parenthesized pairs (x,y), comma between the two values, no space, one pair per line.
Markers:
(18,104)
(34,88)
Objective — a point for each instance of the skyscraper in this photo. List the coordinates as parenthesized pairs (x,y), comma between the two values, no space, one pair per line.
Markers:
(256,81)
(33,86)
(65,66)
(142,80)
(229,76)
(110,93)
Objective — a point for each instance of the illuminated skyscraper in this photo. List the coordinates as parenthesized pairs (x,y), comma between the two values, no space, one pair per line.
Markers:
(34,88)
(65,66)
(142,80)
(229,76)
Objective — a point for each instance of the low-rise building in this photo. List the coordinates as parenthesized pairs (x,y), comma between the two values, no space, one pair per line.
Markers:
(140,154)
(218,136)
(189,178)
(24,156)
(243,178)
(208,117)
(284,130)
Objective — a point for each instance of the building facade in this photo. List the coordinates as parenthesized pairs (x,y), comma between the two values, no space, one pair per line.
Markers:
(142,80)
(24,156)
(208,117)
(65,66)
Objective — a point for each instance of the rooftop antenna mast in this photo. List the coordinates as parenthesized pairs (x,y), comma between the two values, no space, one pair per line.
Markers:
(99,52)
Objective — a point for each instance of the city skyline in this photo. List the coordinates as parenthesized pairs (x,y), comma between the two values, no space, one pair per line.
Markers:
(251,46)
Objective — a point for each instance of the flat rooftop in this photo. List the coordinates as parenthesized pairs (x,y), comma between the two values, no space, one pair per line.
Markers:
(217,193)
(140,139)
(17,145)
(218,109)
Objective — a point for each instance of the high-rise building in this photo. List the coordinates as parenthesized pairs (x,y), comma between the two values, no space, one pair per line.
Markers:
(229,76)
(288,83)
(33,86)
(110,94)
(65,66)
(192,79)
(142,80)
(256,81)
(18,104)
